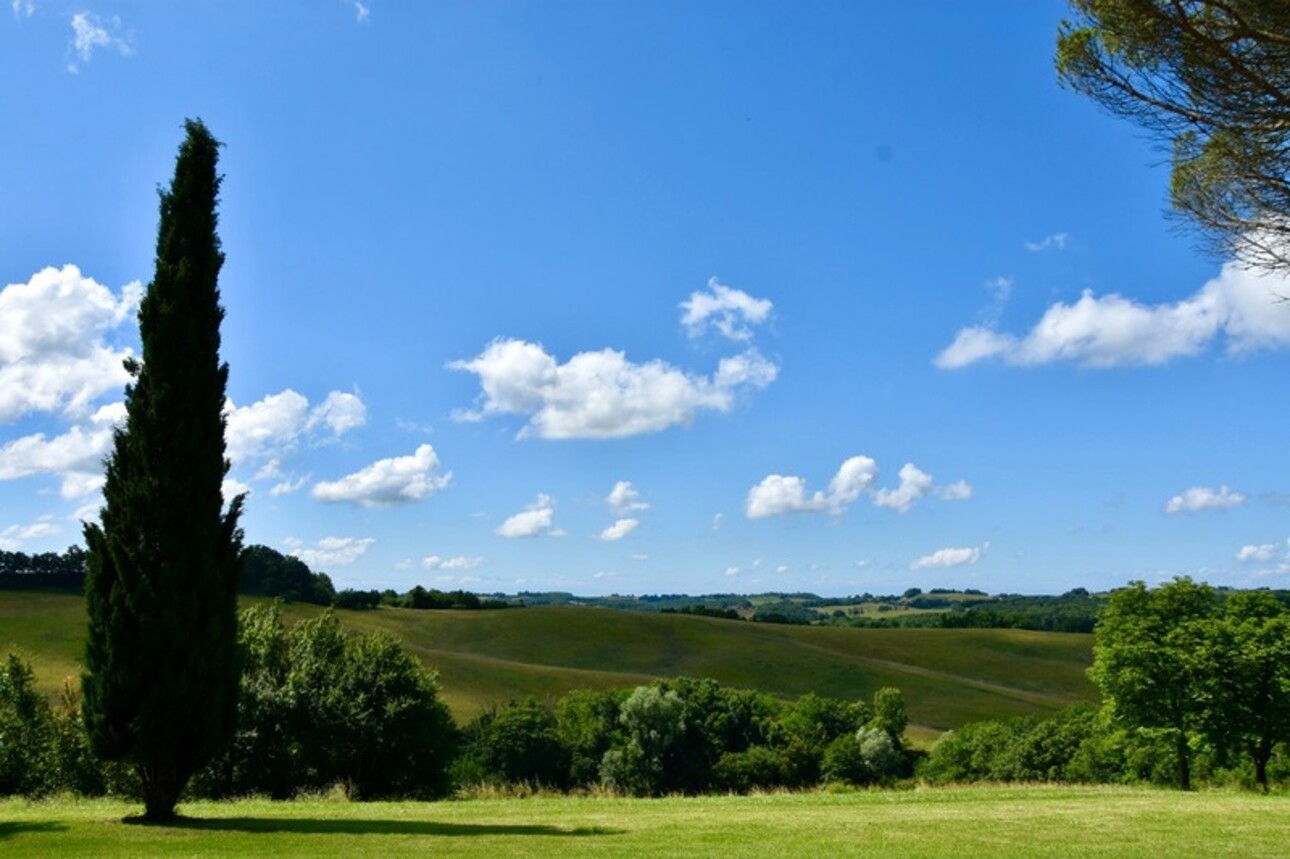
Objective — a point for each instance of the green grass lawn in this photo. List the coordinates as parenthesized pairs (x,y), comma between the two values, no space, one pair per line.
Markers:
(978,822)
(485,658)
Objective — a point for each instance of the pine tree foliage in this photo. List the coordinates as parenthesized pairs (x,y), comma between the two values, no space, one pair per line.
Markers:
(161,593)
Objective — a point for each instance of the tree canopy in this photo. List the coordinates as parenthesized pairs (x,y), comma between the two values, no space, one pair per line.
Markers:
(1210,80)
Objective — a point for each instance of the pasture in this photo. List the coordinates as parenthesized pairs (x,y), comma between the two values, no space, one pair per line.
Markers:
(1013,822)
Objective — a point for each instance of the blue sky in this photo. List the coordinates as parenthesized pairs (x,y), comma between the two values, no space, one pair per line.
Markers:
(642,298)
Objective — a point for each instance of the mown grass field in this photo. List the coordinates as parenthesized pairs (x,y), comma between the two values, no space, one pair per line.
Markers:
(1017,823)
(485,658)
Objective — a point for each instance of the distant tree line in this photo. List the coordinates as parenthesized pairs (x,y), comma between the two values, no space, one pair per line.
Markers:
(264,572)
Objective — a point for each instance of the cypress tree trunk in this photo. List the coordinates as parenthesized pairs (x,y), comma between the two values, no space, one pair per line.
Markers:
(161,588)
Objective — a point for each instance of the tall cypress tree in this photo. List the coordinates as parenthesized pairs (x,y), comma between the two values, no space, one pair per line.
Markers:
(160,690)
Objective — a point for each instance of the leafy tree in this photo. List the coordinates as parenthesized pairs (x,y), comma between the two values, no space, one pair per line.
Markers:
(161,592)
(1210,80)
(653,720)
(26,732)
(1249,666)
(889,714)
(586,722)
(1147,661)
(268,572)
(521,743)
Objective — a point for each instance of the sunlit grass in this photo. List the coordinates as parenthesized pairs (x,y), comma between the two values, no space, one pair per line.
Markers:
(974,822)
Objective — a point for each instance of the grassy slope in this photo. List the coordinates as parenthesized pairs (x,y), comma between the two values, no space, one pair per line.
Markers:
(979,822)
(485,658)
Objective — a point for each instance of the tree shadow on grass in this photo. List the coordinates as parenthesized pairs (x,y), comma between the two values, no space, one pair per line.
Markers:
(312,826)
(9,829)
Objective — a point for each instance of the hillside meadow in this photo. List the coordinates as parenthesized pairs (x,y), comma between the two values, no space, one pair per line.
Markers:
(1015,822)
(484,658)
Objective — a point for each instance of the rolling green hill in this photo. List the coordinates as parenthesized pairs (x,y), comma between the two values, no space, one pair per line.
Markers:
(948,676)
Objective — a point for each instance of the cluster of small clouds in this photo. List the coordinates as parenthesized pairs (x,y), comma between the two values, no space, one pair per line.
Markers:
(1109,331)
(24,8)
(778,494)
(1053,242)
(602,394)
(623,499)
(1199,498)
(460,562)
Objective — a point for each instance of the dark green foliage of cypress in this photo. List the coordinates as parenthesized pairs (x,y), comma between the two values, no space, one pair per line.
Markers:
(162,569)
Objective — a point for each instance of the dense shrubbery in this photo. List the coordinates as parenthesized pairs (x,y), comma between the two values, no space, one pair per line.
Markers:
(687,736)
(318,707)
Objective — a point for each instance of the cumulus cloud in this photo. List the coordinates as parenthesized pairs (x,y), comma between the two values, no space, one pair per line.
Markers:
(603,394)
(1263,552)
(334,551)
(387,482)
(1056,241)
(272,426)
(90,32)
(730,311)
(777,494)
(1199,498)
(24,8)
(624,497)
(914,484)
(619,530)
(461,562)
(531,521)
(286,487)
(55,354)
(1239,306)
(950,557)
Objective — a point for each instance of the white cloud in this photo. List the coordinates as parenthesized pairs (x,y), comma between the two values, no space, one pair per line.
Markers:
(461,562)
(619,529)
(732,571)
(54,354)
(531,521)
(287,487)
(950,557)
(362,13)
(717,521)
(76,456)
(89,32)
(728,310)
(386,482)
(777,494)
(340,412)
(334,551)
(24,8)
(1056,241)
(12,537)
(1204,498)
(914,484)
(265,427)
(1240,305)
(232,487)
(959,490)
(602,394)
(272,426)
(782,568)
(1264,552)
(640,556)
(624,497)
